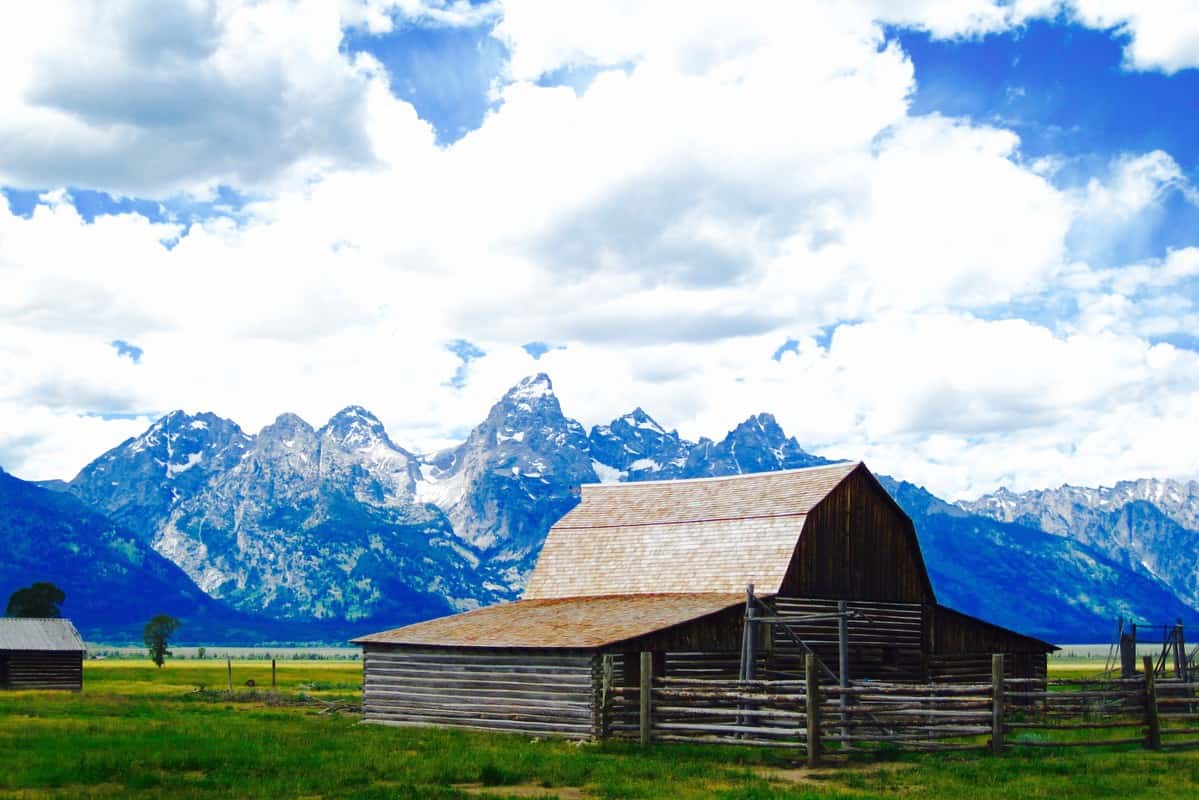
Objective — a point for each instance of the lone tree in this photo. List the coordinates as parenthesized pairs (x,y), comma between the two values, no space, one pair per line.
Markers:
(42,599)
(158,635)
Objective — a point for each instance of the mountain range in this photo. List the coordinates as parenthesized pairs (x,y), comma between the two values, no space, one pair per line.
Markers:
(318,534)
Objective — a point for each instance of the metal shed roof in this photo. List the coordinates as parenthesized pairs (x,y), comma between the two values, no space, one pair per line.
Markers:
(20,633)
(575,622)
(701,535)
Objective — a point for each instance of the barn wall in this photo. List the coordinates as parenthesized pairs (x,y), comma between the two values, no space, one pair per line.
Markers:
(523,691)
(858,545)
(961,647)
(720,632)
(41,670)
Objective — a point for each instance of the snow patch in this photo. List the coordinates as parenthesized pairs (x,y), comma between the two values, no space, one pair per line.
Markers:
(645,463)
(198,425)
(441,491)
(192,460)
(608,474)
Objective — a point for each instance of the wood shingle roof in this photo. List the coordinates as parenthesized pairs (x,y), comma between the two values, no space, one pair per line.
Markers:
(709,535)
(567,623)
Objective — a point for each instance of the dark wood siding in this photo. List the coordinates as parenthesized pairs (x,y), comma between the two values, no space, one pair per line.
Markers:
(961,647)
(954,632)
(525,691)
(22,669)
(858,545)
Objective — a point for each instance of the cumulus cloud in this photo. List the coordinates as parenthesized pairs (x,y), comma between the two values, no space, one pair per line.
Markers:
(722,185)
(153,99)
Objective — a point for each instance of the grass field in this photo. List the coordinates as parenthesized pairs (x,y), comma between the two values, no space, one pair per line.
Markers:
(139,732)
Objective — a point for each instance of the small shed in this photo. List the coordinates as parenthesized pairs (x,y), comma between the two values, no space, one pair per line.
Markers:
(662,567)
(40,654)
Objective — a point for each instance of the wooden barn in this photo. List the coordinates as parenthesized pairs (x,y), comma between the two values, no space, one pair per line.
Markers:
(40,654)
(663,567)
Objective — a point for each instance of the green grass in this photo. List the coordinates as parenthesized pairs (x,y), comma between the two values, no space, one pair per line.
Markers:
(139,732)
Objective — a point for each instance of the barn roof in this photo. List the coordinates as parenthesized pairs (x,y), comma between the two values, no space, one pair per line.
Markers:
(567,623)
(702,535)
(21,633)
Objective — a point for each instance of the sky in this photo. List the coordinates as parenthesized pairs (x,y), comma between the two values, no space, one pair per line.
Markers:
(958,239)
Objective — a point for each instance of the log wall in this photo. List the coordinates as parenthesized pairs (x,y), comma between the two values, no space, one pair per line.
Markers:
(531,692)
(41,670)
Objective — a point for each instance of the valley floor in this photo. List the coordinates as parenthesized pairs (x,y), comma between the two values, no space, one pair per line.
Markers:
(139,732)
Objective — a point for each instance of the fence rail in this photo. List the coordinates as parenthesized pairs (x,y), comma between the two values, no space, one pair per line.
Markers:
(823,720)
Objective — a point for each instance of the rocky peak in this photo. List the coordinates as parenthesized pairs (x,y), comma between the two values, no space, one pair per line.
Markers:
(356,454)
(756,445)
(528,419)
(513,475)
(137,481)
(635,447)
(355,427)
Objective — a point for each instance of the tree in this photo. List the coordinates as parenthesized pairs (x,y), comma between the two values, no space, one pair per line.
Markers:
(157,636)
(42,599)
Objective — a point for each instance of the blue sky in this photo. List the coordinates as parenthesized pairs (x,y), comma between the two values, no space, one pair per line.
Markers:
(960,240)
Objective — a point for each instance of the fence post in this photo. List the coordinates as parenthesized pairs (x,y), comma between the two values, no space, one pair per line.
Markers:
(272,674)
(1153,730)
(646,696)
(229,666)
(812,709)
(843,666)
(605,709)
(997,704)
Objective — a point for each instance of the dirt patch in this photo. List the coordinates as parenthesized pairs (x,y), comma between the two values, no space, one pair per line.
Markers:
(530,790)
(826,775)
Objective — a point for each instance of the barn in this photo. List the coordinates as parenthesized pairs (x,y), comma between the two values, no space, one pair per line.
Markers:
(40,654)
(665,568)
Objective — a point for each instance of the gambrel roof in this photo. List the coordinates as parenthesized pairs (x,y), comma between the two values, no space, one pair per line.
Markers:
(710,535)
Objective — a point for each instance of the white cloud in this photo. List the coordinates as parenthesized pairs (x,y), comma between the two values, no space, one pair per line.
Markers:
(153,99)
(1163,34)
(723,184)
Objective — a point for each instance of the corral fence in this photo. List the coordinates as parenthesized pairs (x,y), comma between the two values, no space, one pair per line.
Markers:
(826,720)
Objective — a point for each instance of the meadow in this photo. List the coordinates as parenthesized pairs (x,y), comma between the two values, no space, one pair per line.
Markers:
(140,732)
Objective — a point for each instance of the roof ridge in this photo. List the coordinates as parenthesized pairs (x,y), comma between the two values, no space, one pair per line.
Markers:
(713,478)
(681,522)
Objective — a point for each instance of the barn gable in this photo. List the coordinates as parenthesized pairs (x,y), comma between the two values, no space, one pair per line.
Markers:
(858,544)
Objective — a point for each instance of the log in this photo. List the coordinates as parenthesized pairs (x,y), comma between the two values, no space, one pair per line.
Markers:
(1095,743)
(716,728)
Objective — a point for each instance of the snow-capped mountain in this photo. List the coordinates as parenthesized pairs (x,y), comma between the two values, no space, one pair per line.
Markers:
(1050,586)
(303,523)
(1150,526)
(341,523)
(512,478)
(756,445)
(636,448)
(140,480)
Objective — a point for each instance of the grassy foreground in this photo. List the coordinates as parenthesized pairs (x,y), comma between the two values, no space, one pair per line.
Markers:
(139,732)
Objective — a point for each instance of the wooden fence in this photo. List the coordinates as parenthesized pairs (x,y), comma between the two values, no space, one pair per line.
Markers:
(827,720)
